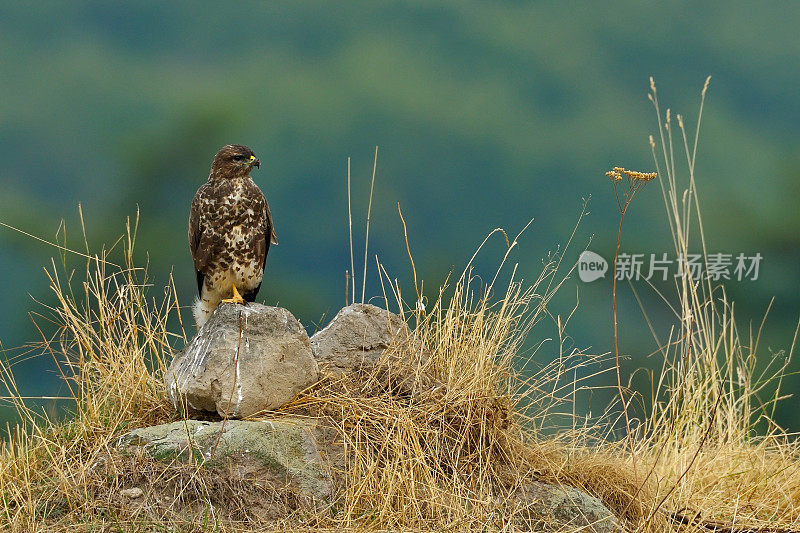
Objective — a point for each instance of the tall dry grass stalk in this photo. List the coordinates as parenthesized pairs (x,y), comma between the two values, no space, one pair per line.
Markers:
(709,439)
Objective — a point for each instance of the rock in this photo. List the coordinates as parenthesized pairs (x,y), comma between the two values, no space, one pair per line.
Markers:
(540,506)
(356,338)
(132,493)
(284,450)
(245,359)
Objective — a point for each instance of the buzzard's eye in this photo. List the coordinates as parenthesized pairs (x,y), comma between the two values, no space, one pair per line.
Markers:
(238,157)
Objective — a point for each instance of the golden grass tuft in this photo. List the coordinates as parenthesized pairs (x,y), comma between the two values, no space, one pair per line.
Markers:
(435,436)
(109,342)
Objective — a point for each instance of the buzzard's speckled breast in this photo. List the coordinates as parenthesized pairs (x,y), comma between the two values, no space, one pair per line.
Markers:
(233,217)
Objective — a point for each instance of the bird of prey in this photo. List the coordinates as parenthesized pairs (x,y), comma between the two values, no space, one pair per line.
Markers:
(230,230)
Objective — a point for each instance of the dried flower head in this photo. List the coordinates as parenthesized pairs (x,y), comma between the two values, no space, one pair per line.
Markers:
(617,172)
(643,176)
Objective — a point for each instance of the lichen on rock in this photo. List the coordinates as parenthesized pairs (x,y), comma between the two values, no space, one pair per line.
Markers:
(283,449)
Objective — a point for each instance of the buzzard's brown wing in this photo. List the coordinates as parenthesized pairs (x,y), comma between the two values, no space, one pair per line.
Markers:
(261,253)
(199,255)
(270,228)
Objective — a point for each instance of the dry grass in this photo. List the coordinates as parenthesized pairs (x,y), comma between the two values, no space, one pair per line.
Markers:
(709,438)
(436,435)
(439,435)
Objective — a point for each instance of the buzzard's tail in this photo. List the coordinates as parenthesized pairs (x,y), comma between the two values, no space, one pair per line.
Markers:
(202,311)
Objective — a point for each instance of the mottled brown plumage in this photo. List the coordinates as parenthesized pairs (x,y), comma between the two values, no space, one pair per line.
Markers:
(230,231)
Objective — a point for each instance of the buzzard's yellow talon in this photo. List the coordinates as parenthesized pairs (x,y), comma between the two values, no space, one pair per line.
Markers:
(237,298)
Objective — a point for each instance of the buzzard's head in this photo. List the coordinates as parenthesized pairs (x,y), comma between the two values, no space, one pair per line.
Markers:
(233,161)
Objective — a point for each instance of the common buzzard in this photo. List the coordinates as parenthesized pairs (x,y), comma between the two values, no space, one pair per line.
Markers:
(230,230)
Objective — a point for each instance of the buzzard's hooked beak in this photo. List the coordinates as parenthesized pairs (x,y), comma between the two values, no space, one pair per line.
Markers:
(255,162)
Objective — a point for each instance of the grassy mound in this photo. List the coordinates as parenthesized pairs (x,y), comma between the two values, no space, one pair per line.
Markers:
(439,436)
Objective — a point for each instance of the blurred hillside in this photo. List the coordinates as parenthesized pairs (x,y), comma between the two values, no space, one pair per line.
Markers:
(486,115)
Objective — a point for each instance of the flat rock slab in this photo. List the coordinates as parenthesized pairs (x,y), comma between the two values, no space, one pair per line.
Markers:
(245,359)
(285,450)
(545,506)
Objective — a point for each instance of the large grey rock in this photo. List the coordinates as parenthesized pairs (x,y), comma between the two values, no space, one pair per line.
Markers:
(245,359)
(356,338)
(284,450)
(548,507)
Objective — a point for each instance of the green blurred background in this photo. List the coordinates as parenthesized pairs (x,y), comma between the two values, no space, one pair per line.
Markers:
(486,113)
